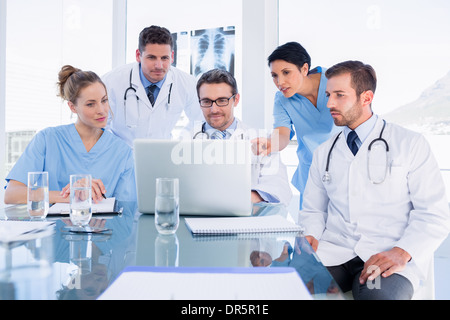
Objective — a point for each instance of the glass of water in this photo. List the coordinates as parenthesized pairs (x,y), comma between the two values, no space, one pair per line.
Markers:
(37,195)
(167,215)
(80,199)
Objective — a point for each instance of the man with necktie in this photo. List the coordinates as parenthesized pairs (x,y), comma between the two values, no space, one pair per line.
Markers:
(149,96)
(376,238)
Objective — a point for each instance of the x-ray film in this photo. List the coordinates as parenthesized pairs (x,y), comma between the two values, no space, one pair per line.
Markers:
(201,50)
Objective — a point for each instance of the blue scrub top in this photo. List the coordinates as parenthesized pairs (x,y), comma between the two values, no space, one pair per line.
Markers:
(312,125)
(61,152)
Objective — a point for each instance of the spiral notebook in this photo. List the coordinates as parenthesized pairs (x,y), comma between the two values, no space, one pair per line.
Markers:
(238,225)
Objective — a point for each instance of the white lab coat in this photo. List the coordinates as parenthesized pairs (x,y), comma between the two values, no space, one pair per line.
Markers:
(150,122)
(351,217)
(269,173)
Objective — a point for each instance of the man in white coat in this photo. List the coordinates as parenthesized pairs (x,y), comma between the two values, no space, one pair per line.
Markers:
(147,97)
(218,95)
(374,216)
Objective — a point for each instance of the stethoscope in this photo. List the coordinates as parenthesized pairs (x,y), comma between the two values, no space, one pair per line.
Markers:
(202,133)
(137,100)
(327,178)
(205,135)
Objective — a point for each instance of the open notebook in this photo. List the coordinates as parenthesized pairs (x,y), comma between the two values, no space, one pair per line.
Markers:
(103,207)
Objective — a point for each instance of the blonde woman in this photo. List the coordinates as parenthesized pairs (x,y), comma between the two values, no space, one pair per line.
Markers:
(82,147)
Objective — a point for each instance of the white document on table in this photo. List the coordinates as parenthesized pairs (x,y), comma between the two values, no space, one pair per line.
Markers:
(11,231)
(156,283)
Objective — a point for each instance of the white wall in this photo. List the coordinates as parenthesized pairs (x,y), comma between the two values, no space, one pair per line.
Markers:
(119,33)
(259,39)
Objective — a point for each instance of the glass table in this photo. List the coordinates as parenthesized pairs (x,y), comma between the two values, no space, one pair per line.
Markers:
(71,266)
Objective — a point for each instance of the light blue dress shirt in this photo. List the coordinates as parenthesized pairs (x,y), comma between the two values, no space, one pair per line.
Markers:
(229,131)
(61,152)
(363,130)
(147,83)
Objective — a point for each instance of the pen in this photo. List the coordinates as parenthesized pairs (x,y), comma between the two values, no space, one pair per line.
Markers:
(103,196)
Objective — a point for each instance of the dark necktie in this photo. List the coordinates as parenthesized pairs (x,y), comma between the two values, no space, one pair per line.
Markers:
(351,141)
(150,94)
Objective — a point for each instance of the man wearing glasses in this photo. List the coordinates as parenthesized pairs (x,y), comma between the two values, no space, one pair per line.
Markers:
(218,97)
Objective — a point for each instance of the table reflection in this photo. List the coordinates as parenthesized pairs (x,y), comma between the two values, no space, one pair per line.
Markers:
(79,265)
(70,266)
(26,269)
(87,270)
(89,262)
(166,250)
(298,254)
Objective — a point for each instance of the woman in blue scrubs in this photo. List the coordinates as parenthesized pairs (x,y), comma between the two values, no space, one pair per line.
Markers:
(300,107)
(82,147)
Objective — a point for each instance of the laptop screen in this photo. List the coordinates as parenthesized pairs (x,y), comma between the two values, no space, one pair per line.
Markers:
(214,175)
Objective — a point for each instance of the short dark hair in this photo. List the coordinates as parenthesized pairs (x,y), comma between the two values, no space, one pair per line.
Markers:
(154,35)
(363,75)
(292,52)
(217,76)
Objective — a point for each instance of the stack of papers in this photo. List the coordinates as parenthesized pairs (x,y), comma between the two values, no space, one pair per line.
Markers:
(178,283)
(12,231)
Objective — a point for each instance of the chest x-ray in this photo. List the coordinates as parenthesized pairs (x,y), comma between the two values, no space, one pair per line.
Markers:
(203,50)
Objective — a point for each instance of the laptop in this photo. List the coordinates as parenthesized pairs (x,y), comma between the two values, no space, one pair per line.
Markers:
(214,175)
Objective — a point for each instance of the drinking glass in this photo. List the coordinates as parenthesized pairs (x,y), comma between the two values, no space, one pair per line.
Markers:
(80,199)
(37,195)
(167,215)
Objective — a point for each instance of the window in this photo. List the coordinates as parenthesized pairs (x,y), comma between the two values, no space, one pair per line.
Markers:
(42,36)
(188,19)
(406,42)
(181,16)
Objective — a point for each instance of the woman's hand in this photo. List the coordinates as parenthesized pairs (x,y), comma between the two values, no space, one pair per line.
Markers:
(261,146)
(98,190)
(278,140)
(93,223)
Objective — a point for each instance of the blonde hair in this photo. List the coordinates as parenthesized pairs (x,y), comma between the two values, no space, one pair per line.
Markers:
(73,80)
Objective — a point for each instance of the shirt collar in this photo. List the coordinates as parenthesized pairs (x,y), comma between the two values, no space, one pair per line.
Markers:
(230,129)
(364,129)
(147,83)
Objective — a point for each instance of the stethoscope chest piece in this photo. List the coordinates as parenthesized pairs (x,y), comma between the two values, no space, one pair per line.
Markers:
(326,177)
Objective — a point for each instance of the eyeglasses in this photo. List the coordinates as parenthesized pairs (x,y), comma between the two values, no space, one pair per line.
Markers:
(221,102)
